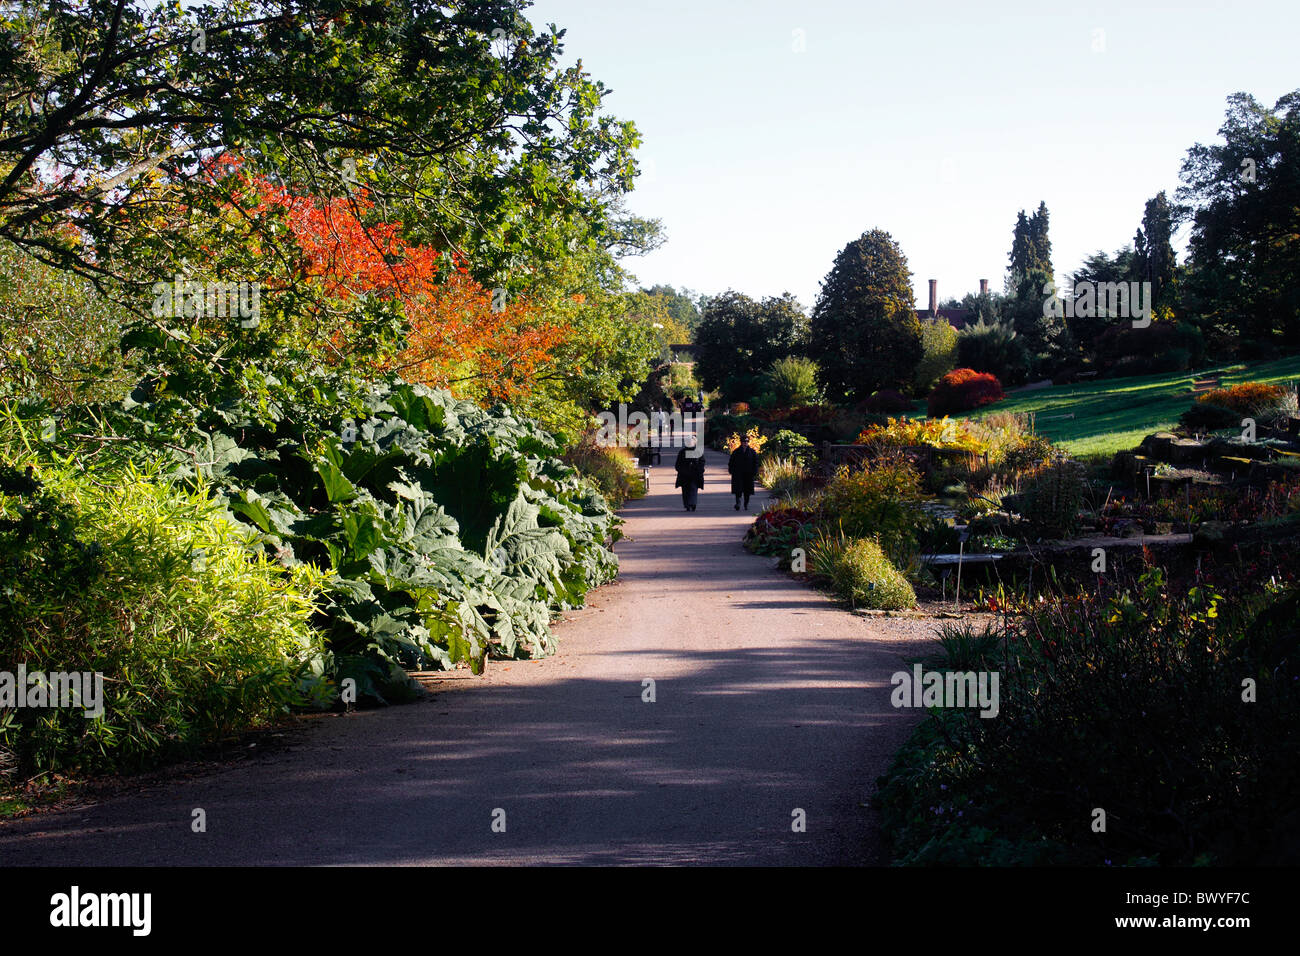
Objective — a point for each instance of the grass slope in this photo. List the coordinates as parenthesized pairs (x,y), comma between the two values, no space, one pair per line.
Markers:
(1115,414)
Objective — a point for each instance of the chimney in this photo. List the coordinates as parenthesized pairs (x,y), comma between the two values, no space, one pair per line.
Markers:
(984,286)
(934,297)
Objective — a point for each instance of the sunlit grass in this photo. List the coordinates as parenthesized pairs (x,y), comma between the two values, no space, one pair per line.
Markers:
(1116,414)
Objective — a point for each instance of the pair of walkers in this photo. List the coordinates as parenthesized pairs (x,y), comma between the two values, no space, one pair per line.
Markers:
(743,466)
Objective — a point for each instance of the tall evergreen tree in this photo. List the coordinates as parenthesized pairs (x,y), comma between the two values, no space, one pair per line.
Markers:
(1154,259)
(1046,338)
(865,334)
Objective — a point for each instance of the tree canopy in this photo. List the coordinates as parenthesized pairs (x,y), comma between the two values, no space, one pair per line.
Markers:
(739,338)
(865,334)
(1242,196)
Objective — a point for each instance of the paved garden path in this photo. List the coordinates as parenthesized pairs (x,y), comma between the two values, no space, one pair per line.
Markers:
(767,699)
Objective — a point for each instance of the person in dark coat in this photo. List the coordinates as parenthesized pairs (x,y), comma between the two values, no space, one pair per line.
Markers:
(743,466)
(690,474)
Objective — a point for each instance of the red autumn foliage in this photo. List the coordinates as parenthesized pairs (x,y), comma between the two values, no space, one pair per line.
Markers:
(461,336)
(963,389)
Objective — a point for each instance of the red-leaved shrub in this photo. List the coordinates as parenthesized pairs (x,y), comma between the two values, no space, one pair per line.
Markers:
(963,389)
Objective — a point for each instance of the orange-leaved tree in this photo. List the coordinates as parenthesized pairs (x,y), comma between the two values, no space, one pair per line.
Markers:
(459,335)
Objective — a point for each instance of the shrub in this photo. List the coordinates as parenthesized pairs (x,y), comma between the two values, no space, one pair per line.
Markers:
(882,501)
(60,339)
(1209,418)
(788,444)
(452,532)
(1248,398)
(610,468)
(1024,455)
(993,348)
(916,432)
(1162,347)
(792,381)
(1054,497)
(756,441)
(197,635)
(810,415)
(779,529)
(861,574)
(1129,701)
(962,390)
(782,477)
(939,344)
(887,400)
(718,427)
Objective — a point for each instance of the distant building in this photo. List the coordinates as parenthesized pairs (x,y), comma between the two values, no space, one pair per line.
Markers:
(957,318)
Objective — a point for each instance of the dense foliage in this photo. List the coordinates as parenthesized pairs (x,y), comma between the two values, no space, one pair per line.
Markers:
(1135,703)
(938,354)
(1242,196)
(864,332)
(738,340)
(859,572)
(963,390)
(197,635)
(451,532)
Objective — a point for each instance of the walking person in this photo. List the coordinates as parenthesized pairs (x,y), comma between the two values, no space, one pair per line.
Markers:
(743,466)
(690,473)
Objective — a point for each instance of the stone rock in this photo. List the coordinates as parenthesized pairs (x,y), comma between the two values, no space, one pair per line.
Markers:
(1211,532)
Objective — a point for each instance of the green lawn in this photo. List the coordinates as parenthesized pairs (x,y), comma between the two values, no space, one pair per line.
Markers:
(1116,414)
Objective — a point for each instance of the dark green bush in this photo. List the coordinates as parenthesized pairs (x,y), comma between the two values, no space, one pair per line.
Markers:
(1134,703)
(994,348)
(789,444)
(1203,417)
(1053,498)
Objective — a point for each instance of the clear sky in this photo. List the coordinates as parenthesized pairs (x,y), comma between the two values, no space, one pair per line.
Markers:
(776,132)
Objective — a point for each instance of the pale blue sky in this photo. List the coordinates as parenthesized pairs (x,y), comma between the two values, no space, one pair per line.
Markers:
(936,121)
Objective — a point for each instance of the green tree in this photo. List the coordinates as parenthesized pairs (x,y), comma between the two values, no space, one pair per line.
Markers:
(457,120)
(865,334)
(939,354)
(1243,199)
(1030,278)
(1099,268)
(987,307)
(681,305)
(1154,259)
(738,339)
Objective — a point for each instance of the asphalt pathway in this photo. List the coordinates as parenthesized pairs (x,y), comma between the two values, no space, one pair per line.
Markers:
(770,707)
